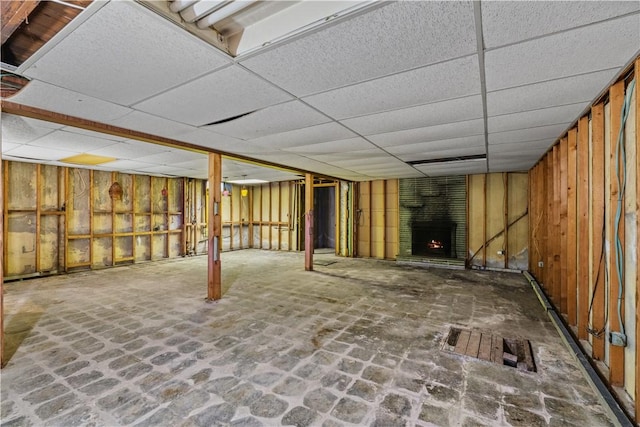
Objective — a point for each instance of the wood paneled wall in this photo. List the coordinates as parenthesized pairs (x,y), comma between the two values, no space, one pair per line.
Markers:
(58,219)
(376,219)
(498,221)
(580,213)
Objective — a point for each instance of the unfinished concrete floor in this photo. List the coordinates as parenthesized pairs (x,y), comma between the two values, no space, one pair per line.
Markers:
(357,342)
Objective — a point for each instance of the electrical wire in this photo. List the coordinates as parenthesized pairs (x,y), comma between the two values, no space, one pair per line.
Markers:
(621,175)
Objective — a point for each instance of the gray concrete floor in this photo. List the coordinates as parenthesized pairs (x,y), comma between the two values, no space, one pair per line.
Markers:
(357,342)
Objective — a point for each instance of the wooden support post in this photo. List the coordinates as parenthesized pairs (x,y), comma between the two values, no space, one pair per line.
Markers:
(261,213)
(214,282)
(279,215)
(230,198)
(572,249)
(550,237)
(616,353)
(563,224)
(250,219)
(270,217)
(384,219)
(505,226)
(2,244)
(597,194)
(637,118)
(289,215)
(556,245)
(370,219)
(308,223)
(582,193)
(484,219)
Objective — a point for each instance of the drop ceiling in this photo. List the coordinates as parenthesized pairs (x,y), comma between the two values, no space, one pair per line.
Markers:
(355,97)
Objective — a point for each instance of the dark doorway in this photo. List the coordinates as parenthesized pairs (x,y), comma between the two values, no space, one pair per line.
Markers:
(324,207)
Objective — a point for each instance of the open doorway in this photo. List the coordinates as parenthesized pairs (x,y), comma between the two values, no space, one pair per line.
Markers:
(324,206)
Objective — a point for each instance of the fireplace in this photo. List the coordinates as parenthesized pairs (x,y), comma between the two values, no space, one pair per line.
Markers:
(434,238)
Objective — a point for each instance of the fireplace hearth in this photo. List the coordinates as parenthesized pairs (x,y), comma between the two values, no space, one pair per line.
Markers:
(434,238)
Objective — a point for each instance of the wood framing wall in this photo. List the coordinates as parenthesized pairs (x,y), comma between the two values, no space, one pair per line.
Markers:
(58,219)
(580,214)
(376,219)
(271,217)
(498,221)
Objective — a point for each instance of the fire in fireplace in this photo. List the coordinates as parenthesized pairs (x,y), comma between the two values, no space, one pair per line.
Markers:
(433,238)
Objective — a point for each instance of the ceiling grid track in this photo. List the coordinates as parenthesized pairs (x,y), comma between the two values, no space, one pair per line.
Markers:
(477,14)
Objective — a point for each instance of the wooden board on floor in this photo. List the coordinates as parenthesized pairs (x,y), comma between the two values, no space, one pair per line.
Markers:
(463,341)
(484,352)
(474,344)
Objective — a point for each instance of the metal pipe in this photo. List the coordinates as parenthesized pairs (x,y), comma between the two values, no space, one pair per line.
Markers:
(616,413)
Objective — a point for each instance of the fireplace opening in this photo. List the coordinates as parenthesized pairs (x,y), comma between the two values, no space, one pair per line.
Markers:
(434,239)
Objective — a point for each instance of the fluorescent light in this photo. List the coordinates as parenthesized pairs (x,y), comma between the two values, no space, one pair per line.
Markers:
(87,159)
(247,181)
(199,9)
(223,13)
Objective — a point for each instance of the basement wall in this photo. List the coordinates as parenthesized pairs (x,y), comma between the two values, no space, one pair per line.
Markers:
(575,200)
(271,215)
(498,221)
(377,219)
(60,219)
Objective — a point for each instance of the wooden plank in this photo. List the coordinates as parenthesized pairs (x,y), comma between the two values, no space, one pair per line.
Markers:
(637,349)
(214,264)
(308,225)
(497,347)
(616,353)
(474,344)
(2,256)
(527,357)
(505,216)
(572,249)
(563,223)
(556,238)
(549,224)
(14,13)
(597,195)
(583,226)
(271,216)
(484,351)
(279,214)
(463,341)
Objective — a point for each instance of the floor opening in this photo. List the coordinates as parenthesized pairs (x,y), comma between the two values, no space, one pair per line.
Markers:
(513,352)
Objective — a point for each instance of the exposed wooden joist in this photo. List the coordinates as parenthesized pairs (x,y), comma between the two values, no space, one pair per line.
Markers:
(637,349)
(582,171)
(14,13)
(616,353)
(571,254)
(597,265)
(2,240)
(308,223)
(563,224)
(214,282)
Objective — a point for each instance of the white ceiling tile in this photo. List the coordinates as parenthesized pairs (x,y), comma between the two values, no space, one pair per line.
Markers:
(368,163)
(310,135)
(6,156)
(125,53)
(530,134)
(130,149)
(535,118)
(80,131)
(32,152)
(431,133)
(271,120)
(383,41)
(505,22)
(551,93)
(153,125)
(424,148)
(21,130)
(578,51)
(162,169)
(453,110)
(527,147)
(442,154)
(344,155)
(201,163)
(332,147)
(170,157)
(123,164)
(7,146)
(217,96)
(447,80)
(464,167)
(70,141)
(52,98)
